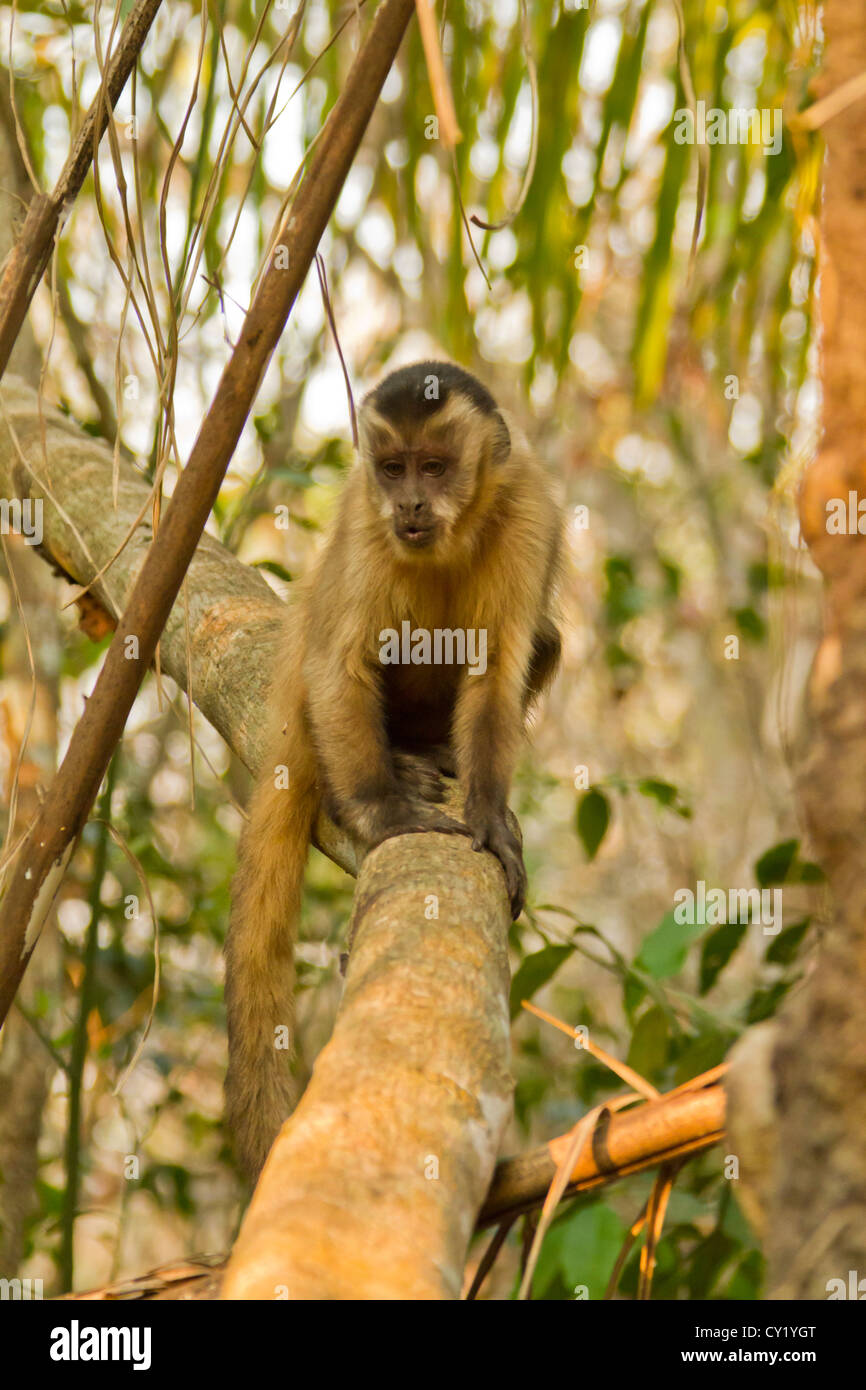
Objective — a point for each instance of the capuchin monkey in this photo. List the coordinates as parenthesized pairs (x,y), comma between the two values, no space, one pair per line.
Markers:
(447,521)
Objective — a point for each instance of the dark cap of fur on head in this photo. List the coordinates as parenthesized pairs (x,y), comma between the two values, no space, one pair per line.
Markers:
(426,387)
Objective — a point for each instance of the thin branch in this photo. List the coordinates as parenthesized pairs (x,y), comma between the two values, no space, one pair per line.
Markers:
(32,252)
(78,1053)
(633,1233)
(154,998)
(449,130)
(677,1125)
(578,1142)
(532,72)
(465,220)
(658,1204)
(326,299)
(77,335)
(820,112)
(624,1072)
(488,1258)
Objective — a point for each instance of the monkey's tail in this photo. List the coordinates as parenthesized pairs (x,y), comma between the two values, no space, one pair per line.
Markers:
(260,954)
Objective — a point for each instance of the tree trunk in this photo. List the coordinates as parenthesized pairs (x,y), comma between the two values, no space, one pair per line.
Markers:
(817,1221)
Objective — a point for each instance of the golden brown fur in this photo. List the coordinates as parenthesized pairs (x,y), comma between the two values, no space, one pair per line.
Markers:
(486,558)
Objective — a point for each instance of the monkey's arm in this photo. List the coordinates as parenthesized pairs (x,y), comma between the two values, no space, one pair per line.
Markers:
(487,731)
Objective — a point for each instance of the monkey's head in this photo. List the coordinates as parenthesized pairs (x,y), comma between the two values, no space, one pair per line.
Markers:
(432,440)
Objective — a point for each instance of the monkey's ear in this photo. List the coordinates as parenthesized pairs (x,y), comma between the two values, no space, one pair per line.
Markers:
(501,440)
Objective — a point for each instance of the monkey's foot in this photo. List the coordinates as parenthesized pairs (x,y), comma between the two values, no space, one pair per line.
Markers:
(418,776)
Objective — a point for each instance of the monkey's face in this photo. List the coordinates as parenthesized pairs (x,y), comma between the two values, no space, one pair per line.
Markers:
(420,480)
(426,459)
(416,486)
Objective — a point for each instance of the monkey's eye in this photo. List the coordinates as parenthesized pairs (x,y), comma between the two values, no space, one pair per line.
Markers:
(434,468)
(393,468)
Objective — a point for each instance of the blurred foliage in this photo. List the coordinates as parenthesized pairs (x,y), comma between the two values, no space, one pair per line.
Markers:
(675,403)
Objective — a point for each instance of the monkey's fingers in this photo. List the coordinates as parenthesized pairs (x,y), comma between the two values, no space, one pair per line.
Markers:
(497,837)
(515,881)
(434,821)
(447,825)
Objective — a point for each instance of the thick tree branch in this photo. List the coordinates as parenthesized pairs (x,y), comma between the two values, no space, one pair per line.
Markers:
(234,616)
(41,862)
(374,1183)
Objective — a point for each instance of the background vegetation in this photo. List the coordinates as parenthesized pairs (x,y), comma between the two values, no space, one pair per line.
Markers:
(676,401)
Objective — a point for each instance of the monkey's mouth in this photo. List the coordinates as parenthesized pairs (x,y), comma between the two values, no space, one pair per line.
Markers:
(416,537)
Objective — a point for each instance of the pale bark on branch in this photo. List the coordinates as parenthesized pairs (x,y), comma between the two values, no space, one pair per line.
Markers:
(374,1183)
(234,616)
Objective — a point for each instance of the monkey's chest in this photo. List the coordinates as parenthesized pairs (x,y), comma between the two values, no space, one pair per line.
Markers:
(419,702)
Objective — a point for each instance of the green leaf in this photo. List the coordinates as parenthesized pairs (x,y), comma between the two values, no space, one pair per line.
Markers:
(666,794)
(663,792)
(775,864)
(664,951)
(750,623)
(782,950)
(712,1256)
(700,1053)
(648,1049)
(580,1250)
(764,1002)
(593,818)
(748,1280)
(534,972)
(717,950)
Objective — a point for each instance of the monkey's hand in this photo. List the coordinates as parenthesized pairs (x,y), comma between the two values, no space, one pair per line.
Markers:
(490,830)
